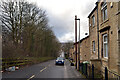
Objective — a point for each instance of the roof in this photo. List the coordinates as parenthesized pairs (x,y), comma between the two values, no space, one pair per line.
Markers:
(93,9)
(81,40)
(84,38)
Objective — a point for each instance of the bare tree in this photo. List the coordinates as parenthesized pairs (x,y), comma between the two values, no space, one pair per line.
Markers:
(27,31)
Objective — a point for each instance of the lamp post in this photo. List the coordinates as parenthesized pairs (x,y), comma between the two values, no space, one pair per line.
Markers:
(76,39)
(77,62)
(79,47)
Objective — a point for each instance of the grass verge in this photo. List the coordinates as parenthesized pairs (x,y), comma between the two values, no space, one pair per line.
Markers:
(35,60)
(6,63)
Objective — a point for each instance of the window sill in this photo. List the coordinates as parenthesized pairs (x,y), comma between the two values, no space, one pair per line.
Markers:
(104,21)
(93,26)
(105,59)
(93,52)
(118,12)
(118,64)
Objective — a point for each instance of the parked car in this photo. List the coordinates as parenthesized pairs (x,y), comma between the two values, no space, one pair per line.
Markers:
(59,61)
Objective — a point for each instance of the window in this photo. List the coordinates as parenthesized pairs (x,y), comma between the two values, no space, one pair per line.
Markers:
(93,46)
(105,45)
(104,11)
(93,20)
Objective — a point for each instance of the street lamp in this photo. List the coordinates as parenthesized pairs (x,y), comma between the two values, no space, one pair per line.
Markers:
(77,62)
(76,42)
(76,39)
(79,47)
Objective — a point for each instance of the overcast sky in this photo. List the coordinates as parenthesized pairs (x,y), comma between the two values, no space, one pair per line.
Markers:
(61,15)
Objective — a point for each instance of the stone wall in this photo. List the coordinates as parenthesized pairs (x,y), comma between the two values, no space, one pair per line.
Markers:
(112,32)
(85,49)
(110,26)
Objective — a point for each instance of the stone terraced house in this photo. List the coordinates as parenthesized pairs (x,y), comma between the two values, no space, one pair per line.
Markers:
(104,34)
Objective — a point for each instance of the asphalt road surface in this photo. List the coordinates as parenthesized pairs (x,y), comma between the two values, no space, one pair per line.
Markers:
(44,70)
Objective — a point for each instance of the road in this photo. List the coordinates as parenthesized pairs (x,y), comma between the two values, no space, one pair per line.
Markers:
(44,70)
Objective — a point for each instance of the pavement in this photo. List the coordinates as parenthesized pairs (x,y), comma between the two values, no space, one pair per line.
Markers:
(44,70)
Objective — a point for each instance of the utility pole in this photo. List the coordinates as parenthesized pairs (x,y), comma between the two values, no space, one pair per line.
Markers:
(78,55)
(79,47)
(76,39)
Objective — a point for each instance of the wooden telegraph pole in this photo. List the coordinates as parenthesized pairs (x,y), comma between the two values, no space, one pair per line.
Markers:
(76,39)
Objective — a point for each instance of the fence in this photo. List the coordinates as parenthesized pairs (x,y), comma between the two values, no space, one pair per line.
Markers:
(94,73)
(113,75)
(9,62)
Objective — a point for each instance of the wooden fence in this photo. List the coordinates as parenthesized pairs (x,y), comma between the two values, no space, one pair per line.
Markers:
(9,62)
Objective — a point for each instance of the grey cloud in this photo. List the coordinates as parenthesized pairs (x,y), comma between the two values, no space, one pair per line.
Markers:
(64,23)
(86,9)
(61,25)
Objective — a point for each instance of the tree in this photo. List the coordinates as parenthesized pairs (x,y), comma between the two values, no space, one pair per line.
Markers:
(28,32)
(66,47)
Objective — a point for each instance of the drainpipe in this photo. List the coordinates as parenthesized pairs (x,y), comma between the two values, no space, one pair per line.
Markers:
(98,29)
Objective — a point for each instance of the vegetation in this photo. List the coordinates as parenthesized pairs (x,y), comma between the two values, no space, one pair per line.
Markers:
(39,59)
(25,31)
(9,62)
(66,47)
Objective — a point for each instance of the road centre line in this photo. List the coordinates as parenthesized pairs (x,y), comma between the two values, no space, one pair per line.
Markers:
(31,77)
(34,75)
(49,65)
(43,69)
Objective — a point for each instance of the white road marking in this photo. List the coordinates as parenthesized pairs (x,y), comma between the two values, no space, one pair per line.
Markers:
(76,72)
(34,75)
(49,65)
(65,72)
(31,77)
(43,69)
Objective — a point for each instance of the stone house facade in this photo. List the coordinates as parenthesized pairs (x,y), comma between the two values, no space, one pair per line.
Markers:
(103,43)
(93,34)
(84,49)
(104,30)
(72,53)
